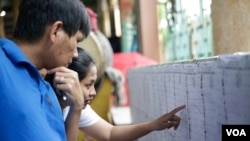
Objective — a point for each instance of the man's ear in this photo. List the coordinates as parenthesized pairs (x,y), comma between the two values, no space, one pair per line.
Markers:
(54,29)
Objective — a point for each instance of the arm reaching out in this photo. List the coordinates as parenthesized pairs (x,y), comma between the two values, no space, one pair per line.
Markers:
(168,120)
(132,132)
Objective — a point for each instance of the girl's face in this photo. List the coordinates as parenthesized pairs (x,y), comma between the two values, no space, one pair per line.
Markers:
(88,83)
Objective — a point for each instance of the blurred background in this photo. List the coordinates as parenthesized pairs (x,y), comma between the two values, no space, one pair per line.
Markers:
(163,30)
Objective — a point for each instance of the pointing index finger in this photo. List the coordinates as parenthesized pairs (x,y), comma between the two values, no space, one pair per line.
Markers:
(174,111)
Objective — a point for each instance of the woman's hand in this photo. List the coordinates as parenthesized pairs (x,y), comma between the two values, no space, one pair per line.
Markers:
(168,120)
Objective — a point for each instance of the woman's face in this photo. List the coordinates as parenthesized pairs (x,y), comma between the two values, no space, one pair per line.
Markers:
(88,83)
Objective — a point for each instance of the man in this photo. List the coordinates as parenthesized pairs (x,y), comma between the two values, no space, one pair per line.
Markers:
(45,36)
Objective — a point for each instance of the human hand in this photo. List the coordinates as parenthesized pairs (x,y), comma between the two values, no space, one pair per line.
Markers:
(168,120)
(67,81)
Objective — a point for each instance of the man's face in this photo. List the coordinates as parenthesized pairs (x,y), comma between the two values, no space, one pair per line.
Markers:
(65,49)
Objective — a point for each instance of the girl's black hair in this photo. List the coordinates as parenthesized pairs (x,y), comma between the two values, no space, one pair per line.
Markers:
(81,64)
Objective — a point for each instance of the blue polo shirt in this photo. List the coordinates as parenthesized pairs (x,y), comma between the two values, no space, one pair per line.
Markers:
(29,109)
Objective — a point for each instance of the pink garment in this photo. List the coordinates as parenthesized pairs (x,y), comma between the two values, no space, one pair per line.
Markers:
(93,19)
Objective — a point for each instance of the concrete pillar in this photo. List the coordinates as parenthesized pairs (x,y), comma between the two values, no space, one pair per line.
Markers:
(2,33)
(147,25)
(231,26)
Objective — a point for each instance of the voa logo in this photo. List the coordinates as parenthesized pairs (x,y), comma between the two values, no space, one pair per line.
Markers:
(236,132)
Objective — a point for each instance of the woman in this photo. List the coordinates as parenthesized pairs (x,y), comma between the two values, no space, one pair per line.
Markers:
(92,124)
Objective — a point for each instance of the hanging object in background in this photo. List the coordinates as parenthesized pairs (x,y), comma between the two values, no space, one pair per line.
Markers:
(115,17)
(93,46)
(98,46)
(104,18)
(100,49)
(105,44)
(128,26)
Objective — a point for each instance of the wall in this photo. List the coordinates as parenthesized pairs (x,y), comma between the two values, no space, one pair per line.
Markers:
(231,26)
(148,40)
(215,92)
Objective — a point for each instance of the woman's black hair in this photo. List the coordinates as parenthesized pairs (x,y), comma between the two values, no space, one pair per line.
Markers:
(81,64)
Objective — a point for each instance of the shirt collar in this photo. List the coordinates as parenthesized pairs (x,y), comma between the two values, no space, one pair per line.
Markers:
(11,49)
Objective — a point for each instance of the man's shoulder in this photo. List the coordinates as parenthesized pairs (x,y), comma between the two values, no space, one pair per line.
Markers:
(5,52)
(5,41)
(7,46)
(9,50)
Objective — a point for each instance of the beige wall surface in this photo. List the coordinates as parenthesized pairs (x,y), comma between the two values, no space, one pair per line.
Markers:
(1,23)
(148,29)
(231,26)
